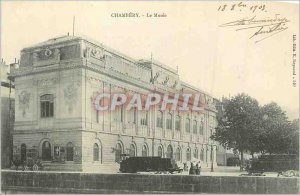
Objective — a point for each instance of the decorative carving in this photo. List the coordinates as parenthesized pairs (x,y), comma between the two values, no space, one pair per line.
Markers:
(155,77)
(70,93)
(93,52)
(166,80)
(45,81)
(48,52)
(24,98)
(175,84)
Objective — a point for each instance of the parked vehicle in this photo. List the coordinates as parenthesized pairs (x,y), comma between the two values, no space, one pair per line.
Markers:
(147,164)
(273,163)
(32,161)
(233,161)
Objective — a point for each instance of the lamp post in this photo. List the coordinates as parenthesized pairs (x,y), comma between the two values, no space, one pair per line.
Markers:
(211,153)
(212,159)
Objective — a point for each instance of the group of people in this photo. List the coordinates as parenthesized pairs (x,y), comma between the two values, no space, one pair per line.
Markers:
(194,169)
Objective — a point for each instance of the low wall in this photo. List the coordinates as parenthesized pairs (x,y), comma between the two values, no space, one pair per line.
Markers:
(57,182)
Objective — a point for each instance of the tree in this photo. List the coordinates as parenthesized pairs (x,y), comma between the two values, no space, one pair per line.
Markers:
(276,129)
(294,132)
(238,126)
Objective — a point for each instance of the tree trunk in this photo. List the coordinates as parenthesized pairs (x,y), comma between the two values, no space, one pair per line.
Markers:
(242,160)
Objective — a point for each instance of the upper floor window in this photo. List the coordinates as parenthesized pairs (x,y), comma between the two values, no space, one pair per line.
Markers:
(144,118)
(47,105)
(118,114)
(169,121)
(159,120)
(195,127)
(131,116)
(187,125)
(177,123)
(201,128)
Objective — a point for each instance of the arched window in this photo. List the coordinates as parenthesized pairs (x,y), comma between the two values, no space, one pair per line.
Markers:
(132,150)
(159,119)
(202,154)
(187,124)
(196,153)
(160,151)
(195,127)
(96,152)
(70,151)
(118,152)
(169,121)
(177,123)
(169,152)
(144,150)
(188,154)
(46,151)
(178,154)
(201,128)
(47,105)
(23,152)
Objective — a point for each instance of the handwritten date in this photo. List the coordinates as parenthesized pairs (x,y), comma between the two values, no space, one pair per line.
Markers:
(241,7)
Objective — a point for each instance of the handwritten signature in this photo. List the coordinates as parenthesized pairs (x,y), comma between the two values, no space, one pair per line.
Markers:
(264,28)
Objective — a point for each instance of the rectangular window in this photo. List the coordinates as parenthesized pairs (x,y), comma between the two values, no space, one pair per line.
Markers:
(195,127)
(159,120)
(131,116)
(177,123)
(144,116)
(47,106)
(118,114)
(187,125)
(97,116)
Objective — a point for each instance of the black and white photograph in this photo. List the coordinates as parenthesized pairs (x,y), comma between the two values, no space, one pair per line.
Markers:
(149,97)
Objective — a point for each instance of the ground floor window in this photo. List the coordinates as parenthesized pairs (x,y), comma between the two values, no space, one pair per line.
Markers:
(118,152)
(196,153)
(178,154)
(96,152)
(46,151)
(188,154)
(169,152)
(23,152)
(202,155)
(70,151)
(132,150)
(144,151)
(160,151)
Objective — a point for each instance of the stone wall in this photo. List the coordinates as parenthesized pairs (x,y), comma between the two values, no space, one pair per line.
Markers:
(56,182)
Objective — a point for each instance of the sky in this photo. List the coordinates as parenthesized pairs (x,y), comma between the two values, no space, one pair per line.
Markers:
(218,60)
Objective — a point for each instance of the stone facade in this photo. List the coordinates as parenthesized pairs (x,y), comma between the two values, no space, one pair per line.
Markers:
(70,71)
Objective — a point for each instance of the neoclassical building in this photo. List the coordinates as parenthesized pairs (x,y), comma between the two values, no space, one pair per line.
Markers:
(55,85)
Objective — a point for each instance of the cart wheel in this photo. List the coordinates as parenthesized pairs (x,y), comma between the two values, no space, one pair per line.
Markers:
(35,167)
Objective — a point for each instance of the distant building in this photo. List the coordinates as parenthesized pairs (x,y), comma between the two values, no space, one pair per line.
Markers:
(7,114)
(55,115)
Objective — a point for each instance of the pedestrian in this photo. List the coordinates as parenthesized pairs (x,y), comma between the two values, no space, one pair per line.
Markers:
(197,169)
(185,168)
(192,169)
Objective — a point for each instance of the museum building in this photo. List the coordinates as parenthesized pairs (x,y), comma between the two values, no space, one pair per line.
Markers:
(55,85)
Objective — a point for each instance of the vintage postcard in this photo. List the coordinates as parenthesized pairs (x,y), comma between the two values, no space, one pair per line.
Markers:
(149,97)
